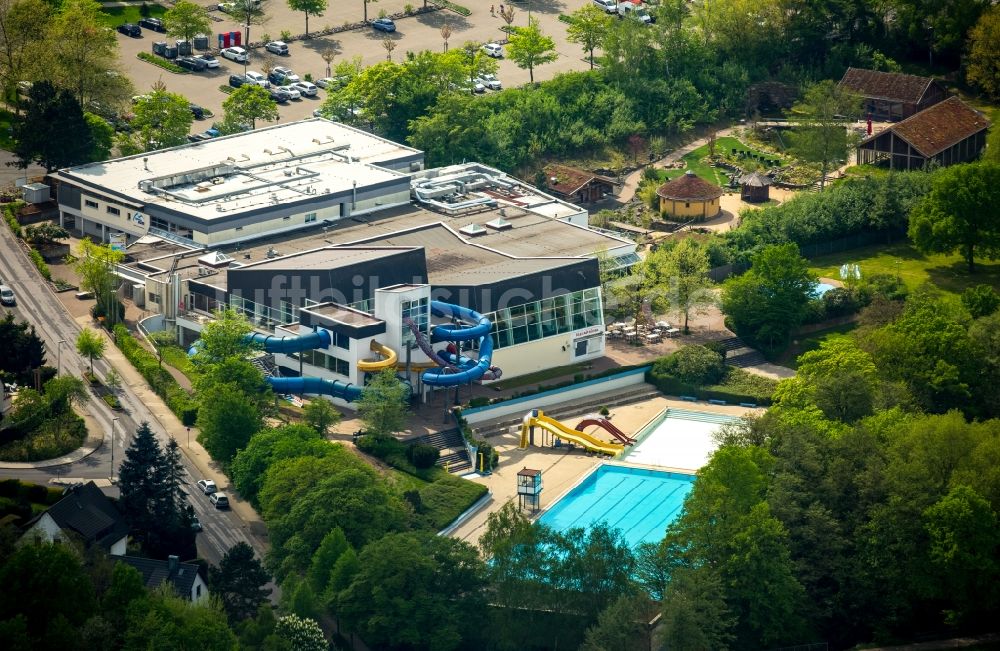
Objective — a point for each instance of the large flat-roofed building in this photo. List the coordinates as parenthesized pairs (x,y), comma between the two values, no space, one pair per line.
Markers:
(465,235)
(228,189)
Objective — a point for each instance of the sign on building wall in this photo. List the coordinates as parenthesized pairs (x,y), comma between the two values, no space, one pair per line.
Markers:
(118,241)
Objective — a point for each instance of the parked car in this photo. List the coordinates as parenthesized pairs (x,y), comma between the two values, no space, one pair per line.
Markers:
(210,61)
(237,80)
(227,7)
(282,76)
(154,24)
(207,486)
(280,95)
(328,83)
(383,25)
(235,53)
(494,50)
(196,524)
(610,6)
(632,10)
(258,78)
(219,500)
(191,63)
(478,86)
(130,29)
(490,81)
(293,92)
(277,47)
(306,88)
(7,295)
(197,111)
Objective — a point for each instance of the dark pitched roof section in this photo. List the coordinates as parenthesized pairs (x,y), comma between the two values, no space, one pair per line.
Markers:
(90,513)
(892,86)
(155,572)
(570,179)
(689,186)
(937,128)
(755,179)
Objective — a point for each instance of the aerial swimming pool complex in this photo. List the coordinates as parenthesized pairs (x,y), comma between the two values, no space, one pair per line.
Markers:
(638,501)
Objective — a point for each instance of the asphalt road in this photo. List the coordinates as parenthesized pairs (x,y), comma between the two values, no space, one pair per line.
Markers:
(39,306)
(414,33)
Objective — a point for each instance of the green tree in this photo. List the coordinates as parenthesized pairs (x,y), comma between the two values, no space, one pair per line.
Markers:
(820,135)
(24,350)
(321,415)
(224,337)
(984,338)
(416,589)
(528,47)
(769,301)
(95,264)
(126,587)
(314,7)
(81,51)
(382,405)
(622,625)
(186,19)
(959,215)
(980,301)
(162,119)
(53,131)
(840,377)
(64,391)
(91,345)
(334,544)
(245,106)
(103,135)
(269,446)
(588,26)
(695,613)
(22,29)
(239,582)
(343,572)
(169,622)
(683,273)
(44,235)
(227,418)
(983,69)
(303,634)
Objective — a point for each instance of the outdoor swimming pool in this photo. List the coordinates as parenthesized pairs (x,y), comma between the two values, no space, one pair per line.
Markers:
(820,289)
(639,502)
(678,438)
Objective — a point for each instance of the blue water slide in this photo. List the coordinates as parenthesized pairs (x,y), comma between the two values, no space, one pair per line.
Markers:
(315,385)
(292,343)
(469,370)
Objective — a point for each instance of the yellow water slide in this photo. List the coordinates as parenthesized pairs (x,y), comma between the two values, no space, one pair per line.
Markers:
(566,433)
(374,365)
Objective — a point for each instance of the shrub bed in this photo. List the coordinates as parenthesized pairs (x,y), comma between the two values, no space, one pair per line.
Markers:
(53,438)
(159,379)
(10,216)
(735,385)
(162,63)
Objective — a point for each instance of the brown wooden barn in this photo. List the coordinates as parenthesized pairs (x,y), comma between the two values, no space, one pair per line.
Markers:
(949,132)
(892,96)
(577,185)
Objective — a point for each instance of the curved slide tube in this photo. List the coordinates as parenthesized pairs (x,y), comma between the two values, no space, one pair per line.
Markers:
(372,365)
(292,343)
(315,385)
(605,424)
(425,345)
(459,370)
(566,433)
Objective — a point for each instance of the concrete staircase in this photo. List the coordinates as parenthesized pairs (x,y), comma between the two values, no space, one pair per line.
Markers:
(265,364)
(740,355)
(451,443)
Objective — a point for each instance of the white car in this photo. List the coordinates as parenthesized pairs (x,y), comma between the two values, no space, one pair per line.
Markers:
(207,486)
(219,500)
(293,92)
(227,7)
(494,50)
(490,81)
(257,78)
(327,82)
(277,47)
(478,86)
(7,295)
(610,6)
(235,53)
(306,88)
(210,61)
(285,74)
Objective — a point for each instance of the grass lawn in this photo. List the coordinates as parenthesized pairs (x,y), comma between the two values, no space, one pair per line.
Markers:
(178,358)
(947,272)
(115,16)
(444,497)
(541,376)
(811,341)
(695,163)
(6,123)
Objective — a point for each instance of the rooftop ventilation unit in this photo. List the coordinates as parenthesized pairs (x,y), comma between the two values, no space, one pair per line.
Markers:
(473,230)
(499,224)
(216,180)
(271,253)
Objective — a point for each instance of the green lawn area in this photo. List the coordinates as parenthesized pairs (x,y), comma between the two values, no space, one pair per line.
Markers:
(694,161)
(541,376)
(178,358)
(6,122)
(444,497)
(947,272)
(811,341)
(115,16)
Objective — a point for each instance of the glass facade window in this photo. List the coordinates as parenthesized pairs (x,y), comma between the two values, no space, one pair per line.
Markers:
(548,317)
(322,360)
(419,312)
(310,217)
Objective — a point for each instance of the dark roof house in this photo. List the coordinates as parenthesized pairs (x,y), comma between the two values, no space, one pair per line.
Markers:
(949,132)
(574,184)
(184,577)
(86,512)
(754,187)
(893,95)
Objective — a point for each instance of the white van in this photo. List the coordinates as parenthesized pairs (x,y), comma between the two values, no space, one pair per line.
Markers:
(634,10)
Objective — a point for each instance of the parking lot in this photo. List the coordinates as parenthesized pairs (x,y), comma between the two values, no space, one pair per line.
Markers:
(413,33)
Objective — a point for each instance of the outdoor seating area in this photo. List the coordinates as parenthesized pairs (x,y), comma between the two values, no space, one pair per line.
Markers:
(641,333)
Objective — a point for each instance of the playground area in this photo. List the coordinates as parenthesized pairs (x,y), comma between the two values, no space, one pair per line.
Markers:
(671,447)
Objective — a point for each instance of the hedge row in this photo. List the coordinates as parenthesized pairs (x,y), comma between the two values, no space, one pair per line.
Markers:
(736,387)
(10,216)
(161,381)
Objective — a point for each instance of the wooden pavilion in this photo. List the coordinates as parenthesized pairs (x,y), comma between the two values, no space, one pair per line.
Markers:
(949,132)
(577,185)
(755,187)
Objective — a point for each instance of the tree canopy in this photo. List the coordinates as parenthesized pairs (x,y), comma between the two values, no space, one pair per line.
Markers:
(529,48)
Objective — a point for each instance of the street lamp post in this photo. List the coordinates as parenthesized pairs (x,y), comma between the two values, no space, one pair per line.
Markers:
(113,421)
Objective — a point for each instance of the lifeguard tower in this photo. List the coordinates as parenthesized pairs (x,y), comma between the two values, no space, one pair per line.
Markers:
(529,489)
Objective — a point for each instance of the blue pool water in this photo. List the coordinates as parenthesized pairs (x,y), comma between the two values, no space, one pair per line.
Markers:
(639,502)
(820,289)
